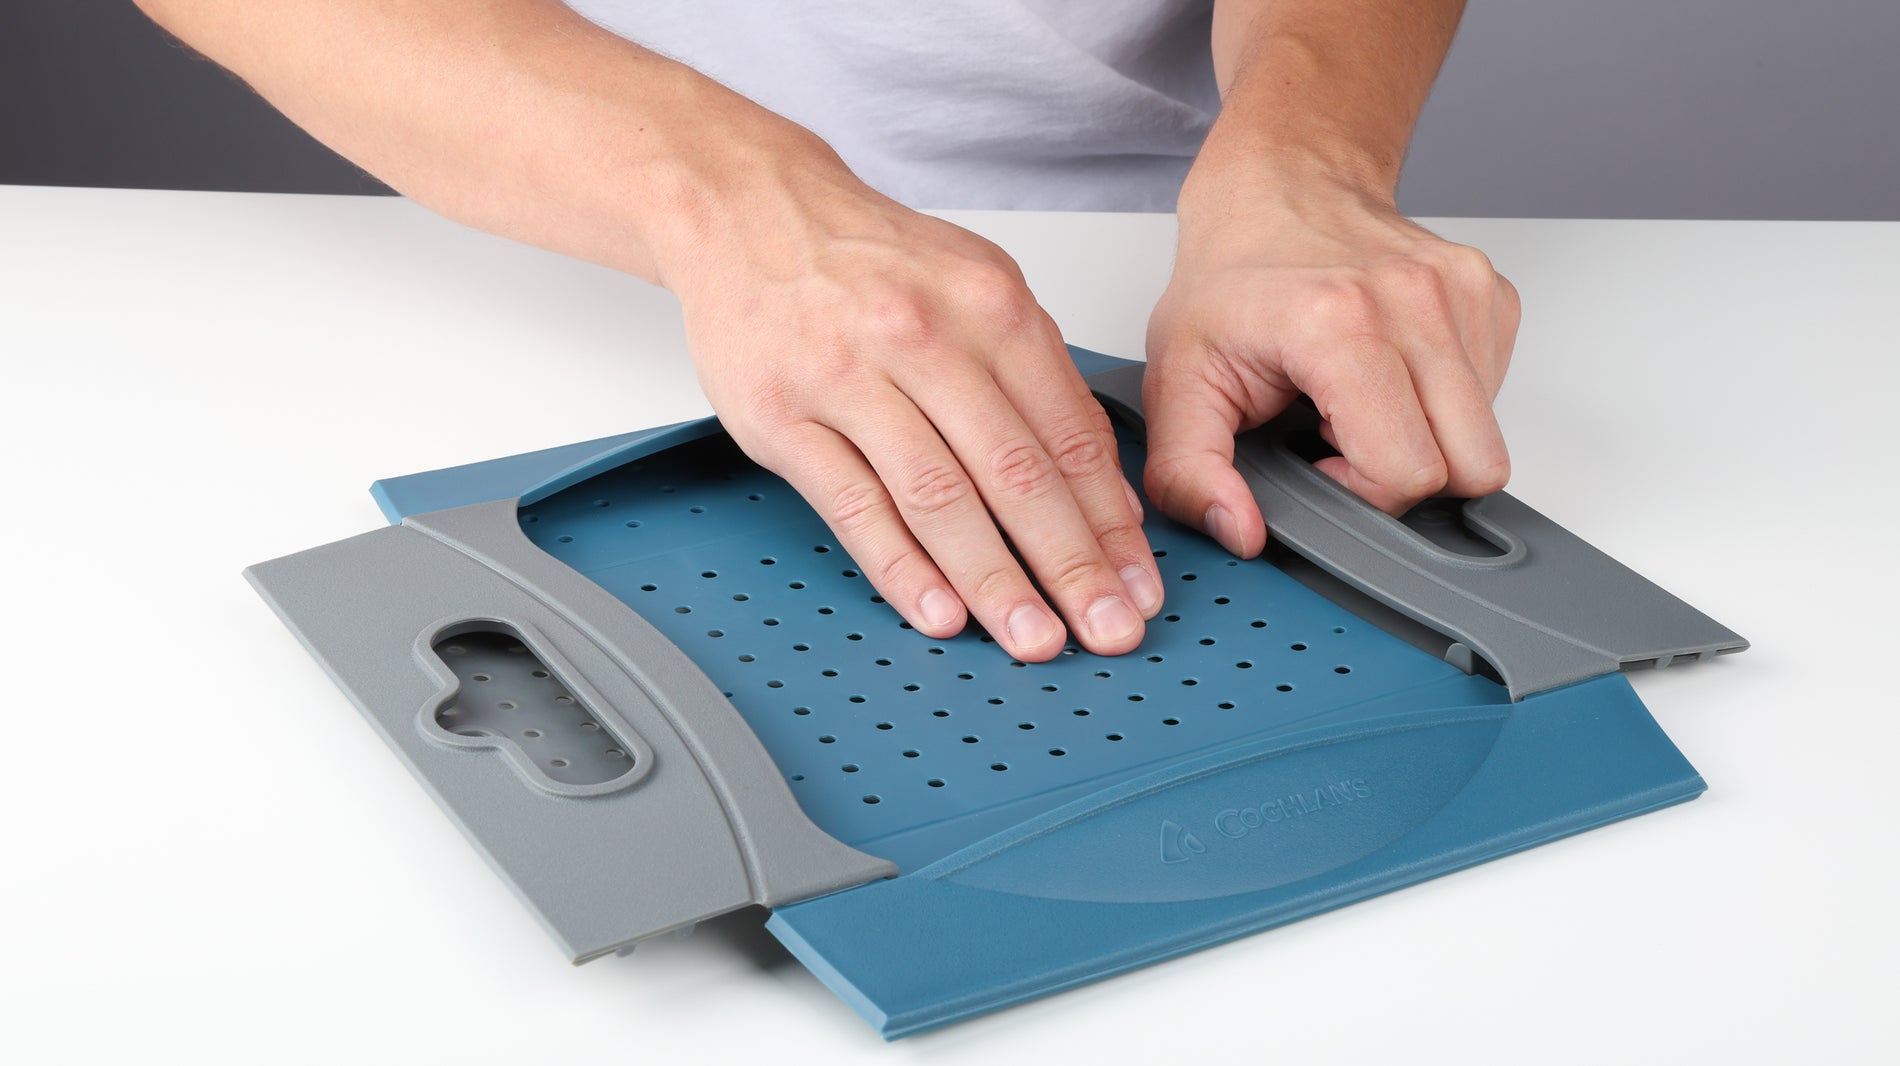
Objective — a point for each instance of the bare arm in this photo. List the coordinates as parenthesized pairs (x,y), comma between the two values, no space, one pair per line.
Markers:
(893,367)
(1296,274)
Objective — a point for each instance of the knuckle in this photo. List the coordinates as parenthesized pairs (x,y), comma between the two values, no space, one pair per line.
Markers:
(1021,469)
(1424,481)
(857,506)
(1070,571)
(934,488)
(1472,266)
(1346,307)
(902,315)
(1488,480)
(1079,450)
(995,585)
(996,295)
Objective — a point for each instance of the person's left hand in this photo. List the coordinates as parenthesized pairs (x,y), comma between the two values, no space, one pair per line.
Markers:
(1401,339)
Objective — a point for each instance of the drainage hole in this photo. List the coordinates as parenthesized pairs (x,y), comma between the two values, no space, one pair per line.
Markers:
(850,768)
(1058,752)
(1342,669)
(874,799)
(971,739)
(935,782)
(999,767)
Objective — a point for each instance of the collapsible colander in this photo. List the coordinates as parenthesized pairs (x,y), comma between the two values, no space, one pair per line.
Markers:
(644,678)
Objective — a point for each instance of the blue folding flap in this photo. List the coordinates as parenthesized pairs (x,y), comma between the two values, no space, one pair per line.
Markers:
(1222,845)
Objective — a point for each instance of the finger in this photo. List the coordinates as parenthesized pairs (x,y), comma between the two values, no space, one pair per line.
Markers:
(852,499)
(1030,499)
(1391,458)
(1455,401)
(942,509)
(1194,407)
(1057,406)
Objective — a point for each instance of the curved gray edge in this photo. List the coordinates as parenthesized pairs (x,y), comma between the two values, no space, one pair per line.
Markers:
(1550,610)
(788,857)
(711,827)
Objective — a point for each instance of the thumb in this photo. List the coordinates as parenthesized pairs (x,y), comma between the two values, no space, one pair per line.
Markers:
(1194,406)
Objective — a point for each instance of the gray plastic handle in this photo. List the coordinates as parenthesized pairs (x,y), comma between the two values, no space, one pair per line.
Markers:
(702,824)
(1537,603)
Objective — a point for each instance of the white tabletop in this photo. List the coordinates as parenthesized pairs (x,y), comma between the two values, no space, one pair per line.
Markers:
(209,857)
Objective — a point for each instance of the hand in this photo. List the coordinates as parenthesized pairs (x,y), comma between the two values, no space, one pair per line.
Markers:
(1400,338)
(896,371)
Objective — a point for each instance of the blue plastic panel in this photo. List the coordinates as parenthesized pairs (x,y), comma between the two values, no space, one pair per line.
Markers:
(1260,834)
(1265,755)
(910,748)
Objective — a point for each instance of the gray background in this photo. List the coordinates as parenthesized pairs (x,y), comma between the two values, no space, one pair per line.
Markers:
(1593,108)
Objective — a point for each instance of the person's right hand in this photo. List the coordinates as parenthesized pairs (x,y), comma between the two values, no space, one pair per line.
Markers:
(895,369)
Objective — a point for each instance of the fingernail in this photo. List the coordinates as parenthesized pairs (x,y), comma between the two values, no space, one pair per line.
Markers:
(1030,627)
(1110,619)
(938,608)
(1134,501)
(1220,525)
(1143,587)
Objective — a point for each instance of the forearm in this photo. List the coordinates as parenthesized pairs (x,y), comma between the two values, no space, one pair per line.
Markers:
(518,117)
(1322,88)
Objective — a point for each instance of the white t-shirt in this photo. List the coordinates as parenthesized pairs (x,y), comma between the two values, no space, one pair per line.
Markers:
(1087,105)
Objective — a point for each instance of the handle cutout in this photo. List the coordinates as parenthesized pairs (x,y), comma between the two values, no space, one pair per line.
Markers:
(508,698)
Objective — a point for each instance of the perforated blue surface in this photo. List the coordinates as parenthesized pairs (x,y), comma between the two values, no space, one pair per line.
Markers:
(1265,755)
(908,747)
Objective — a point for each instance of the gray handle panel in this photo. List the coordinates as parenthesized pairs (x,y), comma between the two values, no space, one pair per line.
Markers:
(1544,608)
(706,826)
